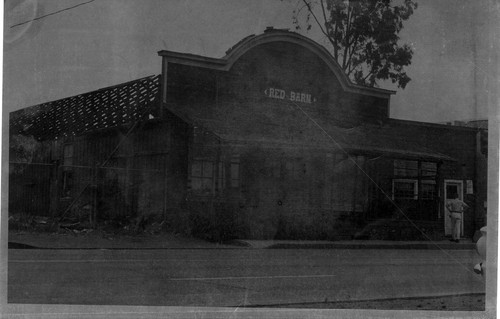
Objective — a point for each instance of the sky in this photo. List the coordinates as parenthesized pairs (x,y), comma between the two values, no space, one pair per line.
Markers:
(94,44)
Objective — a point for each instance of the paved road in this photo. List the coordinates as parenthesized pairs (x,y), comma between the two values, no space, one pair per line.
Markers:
(235,277)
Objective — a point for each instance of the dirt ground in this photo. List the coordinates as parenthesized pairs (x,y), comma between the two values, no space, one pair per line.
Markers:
(470,302)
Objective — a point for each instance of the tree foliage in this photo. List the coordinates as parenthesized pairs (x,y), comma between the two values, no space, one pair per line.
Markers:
(364,35)
(22,148)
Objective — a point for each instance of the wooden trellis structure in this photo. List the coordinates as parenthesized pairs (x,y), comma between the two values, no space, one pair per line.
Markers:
(115,112)
(108,107)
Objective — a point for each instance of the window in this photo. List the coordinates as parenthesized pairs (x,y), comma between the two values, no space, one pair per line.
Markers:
(404,189)
(235,171)
(405,168)
(202,175)
(204,170)
(428,190)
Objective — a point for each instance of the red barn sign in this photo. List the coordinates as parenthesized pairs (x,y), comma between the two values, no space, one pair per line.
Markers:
(291,96)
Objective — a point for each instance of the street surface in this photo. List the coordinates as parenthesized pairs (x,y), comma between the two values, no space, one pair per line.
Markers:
(235,277)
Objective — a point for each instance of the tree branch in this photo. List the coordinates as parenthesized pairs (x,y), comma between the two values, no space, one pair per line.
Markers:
(353,50)
(334,35)
(317,21)
(346,37)
(334,43)
(314,16)
(300,9)
(353,67)
(355,29)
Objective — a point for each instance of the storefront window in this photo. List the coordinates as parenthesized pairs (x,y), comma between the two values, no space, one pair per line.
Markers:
(404,189)
(428,190)
(407,188)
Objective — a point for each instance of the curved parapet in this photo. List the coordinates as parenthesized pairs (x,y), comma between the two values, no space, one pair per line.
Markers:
(273,36)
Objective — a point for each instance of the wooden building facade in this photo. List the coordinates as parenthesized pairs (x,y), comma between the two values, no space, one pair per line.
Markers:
(273,137)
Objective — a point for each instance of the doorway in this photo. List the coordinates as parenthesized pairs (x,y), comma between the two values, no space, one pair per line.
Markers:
(452,187)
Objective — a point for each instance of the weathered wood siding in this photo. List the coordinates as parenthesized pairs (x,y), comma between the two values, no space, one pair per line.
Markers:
(31,174)
(136,172)
(294,179)
(293,68)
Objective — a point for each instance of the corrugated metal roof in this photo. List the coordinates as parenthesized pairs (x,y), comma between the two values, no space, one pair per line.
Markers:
(108,107)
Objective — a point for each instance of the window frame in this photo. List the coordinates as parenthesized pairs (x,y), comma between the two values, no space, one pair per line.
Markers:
(225,174)
(405,180)
(201,176)
(434,191)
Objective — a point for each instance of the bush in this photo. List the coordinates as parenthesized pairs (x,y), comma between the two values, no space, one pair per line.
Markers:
(21,221)
(30,223)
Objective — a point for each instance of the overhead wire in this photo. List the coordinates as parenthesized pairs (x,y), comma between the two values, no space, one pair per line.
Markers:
(50,14)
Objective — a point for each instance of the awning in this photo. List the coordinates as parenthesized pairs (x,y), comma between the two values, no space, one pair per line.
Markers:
(368,139)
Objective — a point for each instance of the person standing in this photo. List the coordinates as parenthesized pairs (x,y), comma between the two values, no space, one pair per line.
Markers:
(456,208)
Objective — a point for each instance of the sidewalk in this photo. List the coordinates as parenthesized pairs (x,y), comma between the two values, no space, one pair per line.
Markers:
(19,240)
(465,244)
(96,240)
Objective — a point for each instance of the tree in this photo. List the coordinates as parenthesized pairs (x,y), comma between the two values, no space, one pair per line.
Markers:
(22,150)
(364,36)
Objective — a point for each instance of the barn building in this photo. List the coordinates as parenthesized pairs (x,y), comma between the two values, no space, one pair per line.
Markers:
(270,141)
